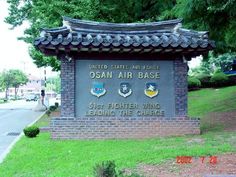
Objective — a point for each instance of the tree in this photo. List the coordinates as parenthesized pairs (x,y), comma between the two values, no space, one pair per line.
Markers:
(48,13)
(7,78)
(223,62)
(214,63)
(1,83)
(19,79)
(217,17)
(12,78)
(54,83)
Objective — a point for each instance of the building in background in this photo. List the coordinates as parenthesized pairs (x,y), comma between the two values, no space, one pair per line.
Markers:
(33,86)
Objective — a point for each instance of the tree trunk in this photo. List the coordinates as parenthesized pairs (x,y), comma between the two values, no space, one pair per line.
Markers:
(6,93)
(15,92)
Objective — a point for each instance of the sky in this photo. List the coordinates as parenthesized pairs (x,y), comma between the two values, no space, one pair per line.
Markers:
(14,53)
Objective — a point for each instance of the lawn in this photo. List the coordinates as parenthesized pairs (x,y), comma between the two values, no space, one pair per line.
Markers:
(2,101)
(44,121)
(42,157)
(205,101)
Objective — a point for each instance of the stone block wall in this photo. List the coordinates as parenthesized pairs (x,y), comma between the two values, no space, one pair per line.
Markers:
(67,87)
(110,128)
(181,88)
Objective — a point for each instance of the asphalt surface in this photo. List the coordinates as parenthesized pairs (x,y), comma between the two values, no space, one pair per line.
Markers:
(14,117)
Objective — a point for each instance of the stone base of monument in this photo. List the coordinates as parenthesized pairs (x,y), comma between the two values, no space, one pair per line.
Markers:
(40,106)
(121,128)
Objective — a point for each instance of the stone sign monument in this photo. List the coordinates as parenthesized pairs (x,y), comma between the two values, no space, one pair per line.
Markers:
(123,80)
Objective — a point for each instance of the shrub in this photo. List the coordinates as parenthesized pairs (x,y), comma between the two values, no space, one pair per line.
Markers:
(57,104)
(219,79)
(108,169)
(48,112)
(193,83)
(232,79)
(31,131)
(204,79)
(52,108)
(105,169)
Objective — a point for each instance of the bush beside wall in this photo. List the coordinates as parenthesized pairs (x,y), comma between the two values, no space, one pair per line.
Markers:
(205,80)
(219,79)
(193,83)
(232,79)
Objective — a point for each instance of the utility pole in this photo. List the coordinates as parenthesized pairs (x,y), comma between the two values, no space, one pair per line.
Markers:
(45,78)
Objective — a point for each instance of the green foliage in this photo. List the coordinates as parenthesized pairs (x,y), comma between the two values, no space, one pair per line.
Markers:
(218,17)
(48,112)
(31,131)
(40,60)
(105,169)
(224,61)
(54,83)
(48,13)
(221,62)
(232,80)
(204,79)
(52,108)
(212,63)
(2,84)
(219,79)
(12,78)
(108,169)
(56,105)
(6,79)
(193,83)
(19,78)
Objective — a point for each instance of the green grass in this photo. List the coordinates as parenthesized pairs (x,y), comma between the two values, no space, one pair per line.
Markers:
(204,101)
(43,121)
(2,101)
(43,157)
(40,157)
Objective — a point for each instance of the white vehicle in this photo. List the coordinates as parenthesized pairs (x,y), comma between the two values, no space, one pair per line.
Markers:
(31,97)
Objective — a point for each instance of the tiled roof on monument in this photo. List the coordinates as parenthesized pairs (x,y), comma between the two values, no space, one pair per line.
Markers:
(155,37)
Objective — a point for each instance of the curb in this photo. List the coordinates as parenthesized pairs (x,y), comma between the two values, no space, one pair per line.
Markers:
(4,154)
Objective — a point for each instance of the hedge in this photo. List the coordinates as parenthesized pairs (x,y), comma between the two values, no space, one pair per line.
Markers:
(193,83)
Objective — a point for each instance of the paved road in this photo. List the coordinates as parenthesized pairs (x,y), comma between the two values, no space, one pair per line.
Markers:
(14,116)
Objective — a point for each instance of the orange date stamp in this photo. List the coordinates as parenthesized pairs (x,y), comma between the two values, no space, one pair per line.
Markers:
(203,159)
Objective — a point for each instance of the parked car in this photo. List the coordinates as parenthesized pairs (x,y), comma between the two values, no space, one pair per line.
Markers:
(31,97)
